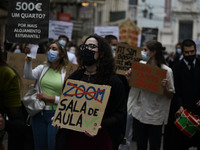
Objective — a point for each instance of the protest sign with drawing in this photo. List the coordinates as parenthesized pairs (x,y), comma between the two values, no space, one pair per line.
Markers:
(81,106)
(125,54)
(147,77)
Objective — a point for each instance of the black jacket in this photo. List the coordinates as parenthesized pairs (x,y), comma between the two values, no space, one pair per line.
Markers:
(187,86)
(114,119)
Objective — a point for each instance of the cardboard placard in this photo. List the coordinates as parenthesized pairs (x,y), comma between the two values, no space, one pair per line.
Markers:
(125,54)
(148,34)
(28,21)
(70,69)
(128,32)
(17,60)
(147,77)
(81,106)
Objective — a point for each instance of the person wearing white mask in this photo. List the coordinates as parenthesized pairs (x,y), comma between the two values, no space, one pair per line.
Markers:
(49,80)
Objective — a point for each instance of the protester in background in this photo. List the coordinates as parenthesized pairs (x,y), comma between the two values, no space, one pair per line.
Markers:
(176,56)
(72,51)
(64,42)
(129,134)
(97,66)
(50,78)
(112,41)
(150,110)
(16,48)
(10,106)
(187,96)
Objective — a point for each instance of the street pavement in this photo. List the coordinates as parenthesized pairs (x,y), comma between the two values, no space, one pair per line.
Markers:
(133,144)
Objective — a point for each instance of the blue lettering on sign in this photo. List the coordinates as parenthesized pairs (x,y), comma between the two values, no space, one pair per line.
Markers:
(90,93)
(86,96)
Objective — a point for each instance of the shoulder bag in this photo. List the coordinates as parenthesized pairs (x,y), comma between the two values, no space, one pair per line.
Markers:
(31,103)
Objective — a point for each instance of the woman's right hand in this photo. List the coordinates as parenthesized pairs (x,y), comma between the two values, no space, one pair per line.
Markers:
(128,74)
(27,50)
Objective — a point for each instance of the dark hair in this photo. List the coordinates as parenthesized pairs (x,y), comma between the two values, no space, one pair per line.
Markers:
(63,36)
(179,43)
(154,45)
(109,38)
(63,54)
(105,61)
(188,43)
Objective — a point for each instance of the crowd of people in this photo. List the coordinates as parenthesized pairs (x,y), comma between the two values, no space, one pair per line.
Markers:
(131,113)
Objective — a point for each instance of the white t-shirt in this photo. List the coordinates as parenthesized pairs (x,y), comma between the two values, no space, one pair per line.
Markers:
(72,58)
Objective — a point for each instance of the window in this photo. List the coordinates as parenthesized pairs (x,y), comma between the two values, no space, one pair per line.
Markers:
(133,2)
(185,30)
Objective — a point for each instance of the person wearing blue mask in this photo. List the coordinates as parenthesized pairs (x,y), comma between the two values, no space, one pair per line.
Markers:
(16,48)
(150,110)
(49,80)
(64,42)
(112,41)
(176,56)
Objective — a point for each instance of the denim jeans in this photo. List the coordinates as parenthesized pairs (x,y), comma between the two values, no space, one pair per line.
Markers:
(128,134)
(43,132)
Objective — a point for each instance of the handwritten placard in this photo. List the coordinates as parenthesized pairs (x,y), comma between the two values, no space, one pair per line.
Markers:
(81,106)
(28,21)
(147,77)
(128,32)
(17,60)
(125,54)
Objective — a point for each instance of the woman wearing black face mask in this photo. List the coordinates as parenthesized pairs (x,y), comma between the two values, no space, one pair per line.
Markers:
(97,66)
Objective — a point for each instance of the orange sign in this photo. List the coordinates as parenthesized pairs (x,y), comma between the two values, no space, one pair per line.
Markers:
(128,32)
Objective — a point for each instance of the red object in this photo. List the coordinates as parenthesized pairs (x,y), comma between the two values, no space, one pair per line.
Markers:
(188,123)
(64,17)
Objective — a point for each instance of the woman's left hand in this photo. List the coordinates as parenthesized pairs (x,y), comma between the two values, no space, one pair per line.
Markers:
(90,135)
(164,83)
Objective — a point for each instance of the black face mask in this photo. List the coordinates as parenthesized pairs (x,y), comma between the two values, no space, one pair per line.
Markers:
(190,58)
(88,57)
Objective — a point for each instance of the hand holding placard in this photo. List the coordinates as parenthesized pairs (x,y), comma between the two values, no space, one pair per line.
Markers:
(147,77)
(81,106)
